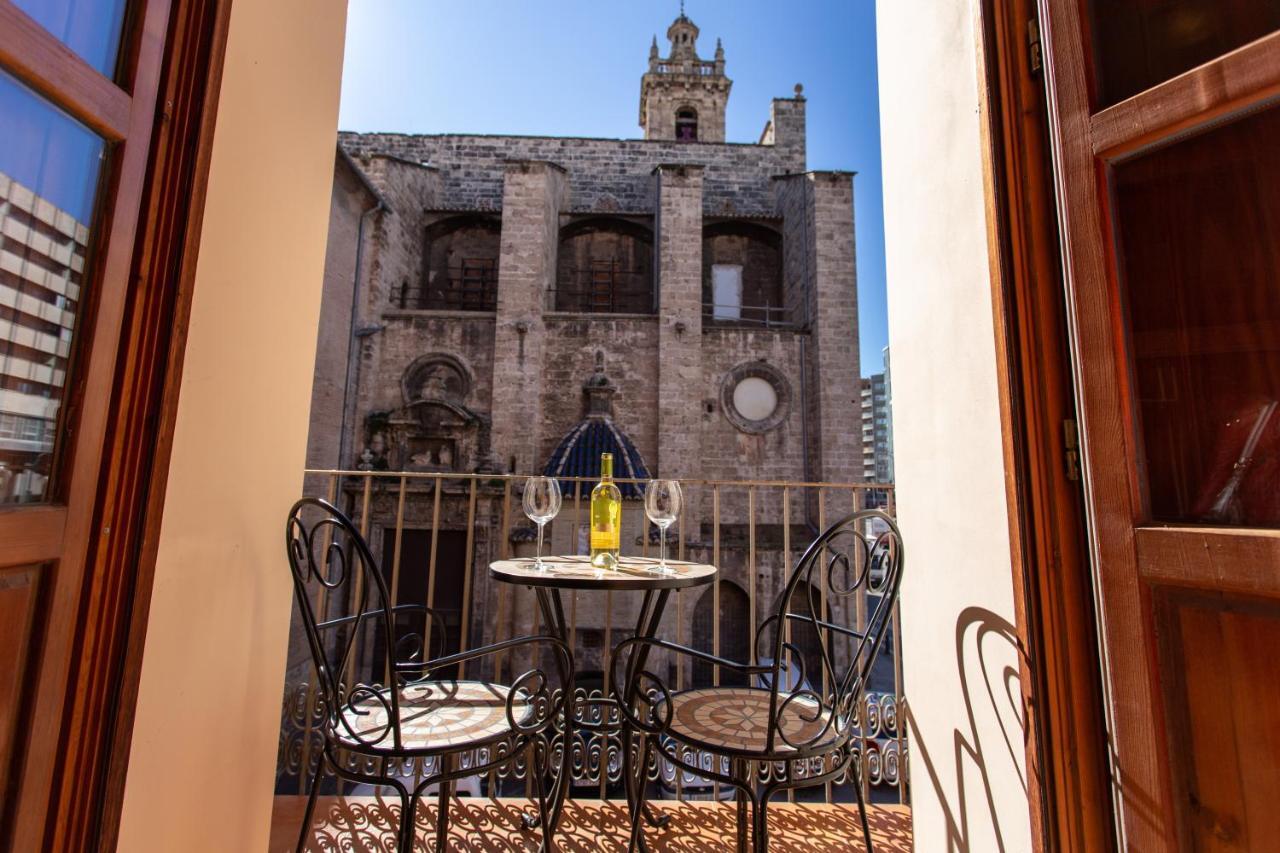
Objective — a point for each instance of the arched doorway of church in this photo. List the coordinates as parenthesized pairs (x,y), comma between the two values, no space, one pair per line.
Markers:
(735,633)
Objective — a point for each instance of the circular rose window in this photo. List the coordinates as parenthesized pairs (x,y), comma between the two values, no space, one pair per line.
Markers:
(755,397)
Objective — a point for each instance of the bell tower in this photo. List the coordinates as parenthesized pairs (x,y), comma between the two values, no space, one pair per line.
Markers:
(682,97)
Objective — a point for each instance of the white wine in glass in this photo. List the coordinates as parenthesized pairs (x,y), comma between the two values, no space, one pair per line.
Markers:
(541,503)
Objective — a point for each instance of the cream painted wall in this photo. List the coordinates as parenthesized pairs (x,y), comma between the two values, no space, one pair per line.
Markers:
(202,766)
(967,764)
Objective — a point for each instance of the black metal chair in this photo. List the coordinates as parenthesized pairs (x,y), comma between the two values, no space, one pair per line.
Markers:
(780,731)
(392,706)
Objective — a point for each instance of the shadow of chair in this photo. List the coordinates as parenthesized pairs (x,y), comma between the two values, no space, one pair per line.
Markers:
(369,824)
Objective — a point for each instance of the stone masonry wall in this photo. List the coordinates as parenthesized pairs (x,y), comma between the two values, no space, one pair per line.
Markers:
(409,335)
(393,255)
(834,298)
(349,202)
(680,380)
(796,210)
(727,452)
(604,174)
(786,130)
(730,454)
(630,347)
(671,93)
(533,197)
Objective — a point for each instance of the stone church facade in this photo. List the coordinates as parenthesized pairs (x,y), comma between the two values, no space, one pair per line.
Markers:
(478,286)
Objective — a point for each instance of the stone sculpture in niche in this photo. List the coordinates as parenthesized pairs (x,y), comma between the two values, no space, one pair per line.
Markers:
(434,430)
(441,382)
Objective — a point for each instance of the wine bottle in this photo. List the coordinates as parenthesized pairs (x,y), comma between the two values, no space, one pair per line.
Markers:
(606,517)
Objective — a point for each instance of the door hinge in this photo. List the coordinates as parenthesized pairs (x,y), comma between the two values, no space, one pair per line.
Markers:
(1034,53)
(1071,448)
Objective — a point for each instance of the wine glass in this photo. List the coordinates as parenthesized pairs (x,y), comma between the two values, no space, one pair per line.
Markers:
(662,501)
(541,503)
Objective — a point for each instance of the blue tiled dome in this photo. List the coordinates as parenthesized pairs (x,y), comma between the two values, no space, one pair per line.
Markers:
(578,455)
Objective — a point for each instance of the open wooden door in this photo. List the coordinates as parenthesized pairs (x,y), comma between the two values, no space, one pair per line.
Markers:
(105,124)
(1167,146)
(78,89)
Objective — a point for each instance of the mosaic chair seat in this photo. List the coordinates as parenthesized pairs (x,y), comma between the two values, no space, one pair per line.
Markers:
(387,702)
(795,729)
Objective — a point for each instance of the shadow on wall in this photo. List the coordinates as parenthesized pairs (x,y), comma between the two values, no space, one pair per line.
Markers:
(985,749)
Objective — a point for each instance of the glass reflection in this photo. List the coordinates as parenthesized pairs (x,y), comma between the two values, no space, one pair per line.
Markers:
(91,28)
(1141,43)
(1198,222)
(49,170)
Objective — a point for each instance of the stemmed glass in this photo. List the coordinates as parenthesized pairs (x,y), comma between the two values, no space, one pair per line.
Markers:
(541,503)
(662,500)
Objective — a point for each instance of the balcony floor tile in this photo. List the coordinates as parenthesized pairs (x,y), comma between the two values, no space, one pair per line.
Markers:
(369,824)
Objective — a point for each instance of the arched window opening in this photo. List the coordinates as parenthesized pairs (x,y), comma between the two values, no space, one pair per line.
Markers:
(460,266)
(735,633)
(605,266)
(742,275)
(686,125)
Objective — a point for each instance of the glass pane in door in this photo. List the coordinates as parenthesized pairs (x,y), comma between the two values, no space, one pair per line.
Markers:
(726,291)
(91,28)
(1140,43)
(1199,234)
(49,173)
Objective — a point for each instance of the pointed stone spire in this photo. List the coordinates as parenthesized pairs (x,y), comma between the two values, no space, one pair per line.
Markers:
(683,35)
(683,96)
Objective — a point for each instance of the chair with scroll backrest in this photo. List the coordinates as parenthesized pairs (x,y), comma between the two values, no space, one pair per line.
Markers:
(789,728)
(387,701)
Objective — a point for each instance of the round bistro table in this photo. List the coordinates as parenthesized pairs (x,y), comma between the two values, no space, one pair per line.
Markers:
(576,573)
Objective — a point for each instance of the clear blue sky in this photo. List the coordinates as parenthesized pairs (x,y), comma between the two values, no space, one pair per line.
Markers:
(572,68)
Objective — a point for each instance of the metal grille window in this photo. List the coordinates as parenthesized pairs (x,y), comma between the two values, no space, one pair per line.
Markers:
(605,266)
(459,266)
(478,285)
(605,286)
(471,285)
(604,281)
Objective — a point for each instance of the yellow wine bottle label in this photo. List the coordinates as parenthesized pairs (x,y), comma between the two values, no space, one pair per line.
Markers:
(604,540)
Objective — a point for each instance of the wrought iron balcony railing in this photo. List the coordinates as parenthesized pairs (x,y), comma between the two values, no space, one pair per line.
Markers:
(758,316)
(463,289)
(604,288)
(436,533)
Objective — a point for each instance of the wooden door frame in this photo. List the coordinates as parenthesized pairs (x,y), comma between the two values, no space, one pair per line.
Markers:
(1087,142)
(142,434)
(1067,761)
(86,776)
(121,109)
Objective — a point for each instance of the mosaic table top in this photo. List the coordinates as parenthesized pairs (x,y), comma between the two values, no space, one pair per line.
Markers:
(576,572)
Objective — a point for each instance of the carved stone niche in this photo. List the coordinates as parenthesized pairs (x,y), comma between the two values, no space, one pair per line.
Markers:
(434,435)
(436,376)
(434,430)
